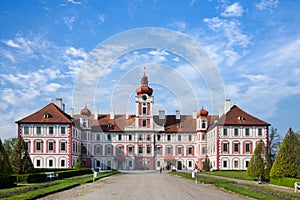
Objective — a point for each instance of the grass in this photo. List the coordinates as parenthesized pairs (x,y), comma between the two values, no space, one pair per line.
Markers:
(231,174)
(253,191)
(59,185)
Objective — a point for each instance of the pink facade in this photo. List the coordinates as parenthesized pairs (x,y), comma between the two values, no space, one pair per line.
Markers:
(142,140)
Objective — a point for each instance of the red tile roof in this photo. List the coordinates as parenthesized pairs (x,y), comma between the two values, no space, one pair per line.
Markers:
(238,117)
(49,114)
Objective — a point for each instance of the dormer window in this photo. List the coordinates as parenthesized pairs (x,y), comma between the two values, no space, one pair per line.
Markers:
(109,125)
(47,115)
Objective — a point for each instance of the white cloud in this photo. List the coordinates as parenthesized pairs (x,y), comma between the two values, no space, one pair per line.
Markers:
(267,4)
(77,53)
(74,2)
(69,21)
(101,18)
(179,25)
(234,10)
(11,43)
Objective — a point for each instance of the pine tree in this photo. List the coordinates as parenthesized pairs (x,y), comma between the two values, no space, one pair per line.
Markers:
(287,160)
(16,158)
(268,165)
(256,167)
(206,164)
(27,164)
(79,163)
(5,168)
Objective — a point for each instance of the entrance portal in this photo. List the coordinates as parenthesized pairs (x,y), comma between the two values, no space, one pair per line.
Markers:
(179,165)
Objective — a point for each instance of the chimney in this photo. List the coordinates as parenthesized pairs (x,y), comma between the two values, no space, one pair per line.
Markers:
(177,114)
(127,115)
(112,114)
(194,114)
(227,106)
(72,112)
(96,114)
(60,104)
(161,114)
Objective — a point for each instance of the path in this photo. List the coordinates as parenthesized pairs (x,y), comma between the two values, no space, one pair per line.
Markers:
(145,186)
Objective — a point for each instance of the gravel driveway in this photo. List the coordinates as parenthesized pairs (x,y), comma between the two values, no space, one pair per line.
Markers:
(145,186)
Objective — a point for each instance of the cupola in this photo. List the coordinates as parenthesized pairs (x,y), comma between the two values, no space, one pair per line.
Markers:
(144,89)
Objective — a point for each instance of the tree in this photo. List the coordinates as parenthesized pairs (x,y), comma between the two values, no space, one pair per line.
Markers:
(79,163)
(274,143)
(5,168)
(287,160)
(27,164)
(206,164)
(256,167)
(16,158)
(9,145)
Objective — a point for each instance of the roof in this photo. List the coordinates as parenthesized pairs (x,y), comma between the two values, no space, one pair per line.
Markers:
(49,114)
(238,117)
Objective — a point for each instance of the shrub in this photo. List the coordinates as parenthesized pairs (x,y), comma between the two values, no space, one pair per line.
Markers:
(7,181)
(284,181)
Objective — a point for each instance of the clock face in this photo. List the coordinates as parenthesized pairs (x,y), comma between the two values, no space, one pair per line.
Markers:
(144,97)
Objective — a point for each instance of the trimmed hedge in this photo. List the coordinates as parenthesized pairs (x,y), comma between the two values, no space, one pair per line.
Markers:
(284,181)
(74,172)
(7,181)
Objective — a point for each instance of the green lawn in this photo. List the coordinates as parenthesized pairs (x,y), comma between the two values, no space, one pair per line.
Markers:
(231,174)
(55,186)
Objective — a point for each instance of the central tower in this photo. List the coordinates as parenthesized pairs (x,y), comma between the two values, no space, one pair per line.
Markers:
(144,105)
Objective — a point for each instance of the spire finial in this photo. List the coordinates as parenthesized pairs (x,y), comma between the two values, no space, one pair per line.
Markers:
(144,70)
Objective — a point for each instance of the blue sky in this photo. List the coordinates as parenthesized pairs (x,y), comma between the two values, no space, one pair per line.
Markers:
(254,45)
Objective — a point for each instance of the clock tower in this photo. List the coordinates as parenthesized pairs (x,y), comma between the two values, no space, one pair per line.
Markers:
(144,105)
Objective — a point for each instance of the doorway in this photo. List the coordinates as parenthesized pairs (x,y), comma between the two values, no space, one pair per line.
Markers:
(179,165)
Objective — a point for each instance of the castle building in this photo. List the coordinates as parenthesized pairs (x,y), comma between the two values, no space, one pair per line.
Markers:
(143,140)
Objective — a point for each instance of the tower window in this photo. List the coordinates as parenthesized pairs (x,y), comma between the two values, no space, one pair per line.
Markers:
(144,122)
(144,110)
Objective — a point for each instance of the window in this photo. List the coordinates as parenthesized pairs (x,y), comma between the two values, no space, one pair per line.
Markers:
(203,124)
(119,150)
(62,130)
(38,130)
(203,137)
(130,150)
(98,137)
(247,132)
(38,146)
(98,150)
(203,150)
(62,163)
(108,150)
(190,138)
(50,163)
(247,147)
(26,145)
(109,137)
(63,146)
(38,163)
(119,137)
(236,132)
(158,137)
(130,163)
(149,149)
(50,146)
(98,163)
(190,150)
(225,133)
(50,130)
(84,136)
(259,132)
(247,163)
(140,137)
(159,150)
(178,138)
(179,150)
(168,137)
(190,164)
(26,130)
(236,164)
(140,149)
(130,137)
(225,163)
(144,122)
(144,110)
(158,163)
(236,147)
(169,150)
(148,137)
(225,147)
